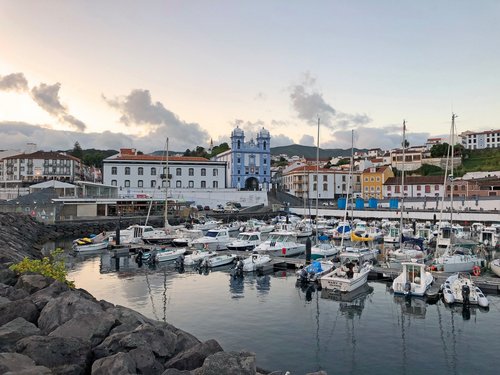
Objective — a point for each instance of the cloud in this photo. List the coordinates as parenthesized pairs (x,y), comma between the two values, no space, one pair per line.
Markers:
(250,128)
(17,134)
(260,96)
(309,103)
(386,137)
(137,108)
(307,140)
(14,82)
(47,97)
(281,140)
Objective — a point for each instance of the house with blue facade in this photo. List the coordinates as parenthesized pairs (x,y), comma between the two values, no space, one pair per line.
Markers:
(248,163)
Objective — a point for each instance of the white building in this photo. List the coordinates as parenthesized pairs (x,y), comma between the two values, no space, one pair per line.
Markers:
(413,159)
(144,175)
(481,140)
(414,187)
(307,181)
(39,166)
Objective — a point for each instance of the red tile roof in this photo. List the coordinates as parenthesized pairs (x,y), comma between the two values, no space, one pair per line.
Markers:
(416,180)
(160,158)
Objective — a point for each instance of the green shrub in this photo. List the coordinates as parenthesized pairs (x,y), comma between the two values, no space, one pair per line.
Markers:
(52,266)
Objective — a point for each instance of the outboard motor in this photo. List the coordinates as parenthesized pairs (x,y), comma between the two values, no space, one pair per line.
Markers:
(238,270)
(407,289)
(304,277)
(138,258)
(465,294)
(179,262)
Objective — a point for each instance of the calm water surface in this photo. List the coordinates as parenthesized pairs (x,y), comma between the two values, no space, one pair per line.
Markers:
(300,329)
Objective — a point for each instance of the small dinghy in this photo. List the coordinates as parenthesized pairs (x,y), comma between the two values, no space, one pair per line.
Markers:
(459,288)
(314,271)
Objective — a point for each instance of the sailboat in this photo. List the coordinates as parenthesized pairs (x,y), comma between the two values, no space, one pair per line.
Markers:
(454,259)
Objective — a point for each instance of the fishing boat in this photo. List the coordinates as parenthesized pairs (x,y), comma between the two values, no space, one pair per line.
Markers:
(197,256)
(218,260)
(245,241)
(164,255)
(324,248)
(314,271)
(413,280)
(251,263)
(495,267)
(350,275)
(281,243)
(214,239)
(459,288)
(91,243)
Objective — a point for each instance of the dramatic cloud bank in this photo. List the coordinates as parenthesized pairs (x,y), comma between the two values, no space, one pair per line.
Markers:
(46,96)
(137,108)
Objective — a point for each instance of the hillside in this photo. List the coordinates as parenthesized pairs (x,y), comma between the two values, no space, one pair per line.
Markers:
(481,160)
(309,152)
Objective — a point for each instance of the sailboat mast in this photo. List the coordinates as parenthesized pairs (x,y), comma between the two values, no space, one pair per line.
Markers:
(452,177)
(317,178)
(166,188)
(402,188)
(351,173)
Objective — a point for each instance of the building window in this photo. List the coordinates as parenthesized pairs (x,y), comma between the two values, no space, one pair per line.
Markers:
(366,188)
(127,170)
(113,170)
(325,178)
(372,179)
(140,171)
(140,183)
(428,188)
(372,188)
(191,171)
(265,145)
(366,179)
(203,172)
(215,184)
(419,187)
(265,161)
(177,184)
(239,160)
(239,144)
(314,187)
(239,171)
(113,183)
(191,184)
(215,172)
(378,179)
(389,188)
(406,188)
(178,172)
(127,183)
(436,187)
(203,184)
(325,187)
(153,183)
(397,189)
(153,171)
(378,188)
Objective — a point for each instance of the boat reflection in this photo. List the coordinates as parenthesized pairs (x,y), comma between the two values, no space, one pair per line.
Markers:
(351,304)
(415,307)
(262,284)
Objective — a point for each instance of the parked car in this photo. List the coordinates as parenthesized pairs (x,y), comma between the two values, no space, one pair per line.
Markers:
(231,209)
(219,208)
(199,207)
(207,208)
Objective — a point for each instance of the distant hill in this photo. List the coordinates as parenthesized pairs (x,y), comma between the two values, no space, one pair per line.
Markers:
(309,152)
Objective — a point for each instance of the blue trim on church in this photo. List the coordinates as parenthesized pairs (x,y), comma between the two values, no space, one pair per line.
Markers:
(250,161)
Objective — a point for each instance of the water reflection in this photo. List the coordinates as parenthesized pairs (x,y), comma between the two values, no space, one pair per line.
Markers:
(350,304)
(415,307)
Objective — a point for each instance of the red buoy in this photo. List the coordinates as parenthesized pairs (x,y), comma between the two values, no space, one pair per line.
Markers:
(283,251)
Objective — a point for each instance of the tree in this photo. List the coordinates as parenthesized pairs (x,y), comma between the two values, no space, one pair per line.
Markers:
(219,149)
(77,151)
(439,150)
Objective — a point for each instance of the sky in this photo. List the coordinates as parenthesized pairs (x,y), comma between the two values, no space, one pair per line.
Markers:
(118,73)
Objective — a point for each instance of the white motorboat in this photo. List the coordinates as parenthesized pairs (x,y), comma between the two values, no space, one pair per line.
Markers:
(165,255)
(393,235)
(495,267)
(490,236)
(342,230)
(459,288)
(413,280)
(130,235)
(350,275)
(460,260)
(214,239)
(218,260)
(91,243)
(254,225)
(198,255)
(158,235)
(245,241)
(186,236)
(314,271)
(281,244)
(324,248)
(207,225)
(251,263)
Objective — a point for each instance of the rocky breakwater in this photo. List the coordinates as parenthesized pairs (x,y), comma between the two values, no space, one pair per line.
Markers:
(21,236)
(48,328)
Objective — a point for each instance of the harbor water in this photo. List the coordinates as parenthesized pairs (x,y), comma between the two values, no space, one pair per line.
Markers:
(298,328)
